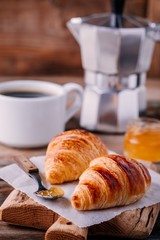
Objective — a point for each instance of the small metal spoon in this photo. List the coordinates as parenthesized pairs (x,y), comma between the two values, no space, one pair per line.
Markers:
(53,193)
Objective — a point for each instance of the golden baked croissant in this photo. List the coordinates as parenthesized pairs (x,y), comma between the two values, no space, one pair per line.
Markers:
(70,153)
(111,181)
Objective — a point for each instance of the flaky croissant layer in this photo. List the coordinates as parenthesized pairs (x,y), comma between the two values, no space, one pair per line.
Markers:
(70,153)
(111,181)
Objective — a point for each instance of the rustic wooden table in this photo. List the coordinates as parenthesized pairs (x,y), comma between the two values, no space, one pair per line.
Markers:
(114,142)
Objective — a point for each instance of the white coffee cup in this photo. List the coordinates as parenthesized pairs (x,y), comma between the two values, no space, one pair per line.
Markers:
(33,121)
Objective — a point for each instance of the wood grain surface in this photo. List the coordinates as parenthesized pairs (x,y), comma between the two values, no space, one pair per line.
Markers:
(132,224)
(19,209)
(153,13)
(64,229)
(34,39)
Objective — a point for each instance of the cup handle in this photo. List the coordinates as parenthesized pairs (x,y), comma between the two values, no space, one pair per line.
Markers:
(76,103)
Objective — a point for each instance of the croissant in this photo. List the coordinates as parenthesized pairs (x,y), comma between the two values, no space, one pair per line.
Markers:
(70,153)
(111,181)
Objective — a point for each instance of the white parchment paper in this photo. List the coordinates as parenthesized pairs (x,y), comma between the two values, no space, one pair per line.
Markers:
(17,178)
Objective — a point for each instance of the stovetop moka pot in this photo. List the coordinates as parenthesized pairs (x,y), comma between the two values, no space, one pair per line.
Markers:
(116,53)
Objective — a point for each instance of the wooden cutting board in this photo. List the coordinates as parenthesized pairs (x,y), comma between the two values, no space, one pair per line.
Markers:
(19,209)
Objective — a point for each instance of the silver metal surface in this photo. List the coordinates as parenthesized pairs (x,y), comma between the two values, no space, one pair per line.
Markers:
(122,51)
(109,109)
(119,51)
(114,82)
(115,62)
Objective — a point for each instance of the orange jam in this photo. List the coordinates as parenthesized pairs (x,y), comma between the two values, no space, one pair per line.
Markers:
(142,140)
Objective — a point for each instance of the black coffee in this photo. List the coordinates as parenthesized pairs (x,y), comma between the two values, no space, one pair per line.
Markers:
(25,94)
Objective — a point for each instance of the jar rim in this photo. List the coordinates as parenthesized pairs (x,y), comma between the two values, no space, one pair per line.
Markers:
(144,121)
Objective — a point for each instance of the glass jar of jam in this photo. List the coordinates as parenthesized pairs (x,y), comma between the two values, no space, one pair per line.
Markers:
(142,139)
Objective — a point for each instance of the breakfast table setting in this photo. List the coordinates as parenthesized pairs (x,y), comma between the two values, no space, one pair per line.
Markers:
(80,155)
(23,216)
